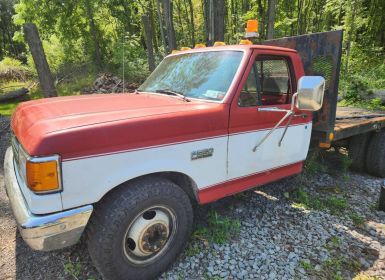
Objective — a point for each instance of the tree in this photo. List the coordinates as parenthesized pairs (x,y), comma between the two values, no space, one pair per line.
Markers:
(94,33)
(45,77)
(168,17)
(148,35)
(215,20)
(271,20)
(161,28)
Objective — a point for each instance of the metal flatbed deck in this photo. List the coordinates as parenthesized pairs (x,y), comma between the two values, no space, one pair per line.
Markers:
(353,121)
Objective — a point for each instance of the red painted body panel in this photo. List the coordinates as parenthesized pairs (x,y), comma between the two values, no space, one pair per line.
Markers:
(213,193)
(87,125)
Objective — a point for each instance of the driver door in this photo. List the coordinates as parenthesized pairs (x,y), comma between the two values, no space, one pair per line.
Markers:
(269,82)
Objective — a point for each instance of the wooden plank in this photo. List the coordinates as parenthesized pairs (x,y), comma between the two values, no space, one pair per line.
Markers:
(345,128)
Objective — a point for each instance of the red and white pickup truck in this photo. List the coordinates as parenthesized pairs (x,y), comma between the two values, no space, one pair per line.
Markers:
(127,169)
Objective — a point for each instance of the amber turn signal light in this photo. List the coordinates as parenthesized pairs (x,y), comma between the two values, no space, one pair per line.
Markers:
(42,176)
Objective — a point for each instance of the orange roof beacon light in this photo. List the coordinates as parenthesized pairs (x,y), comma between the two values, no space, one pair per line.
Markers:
(217,44)
(245,42)
(200,45)
(252,29)
(185,48)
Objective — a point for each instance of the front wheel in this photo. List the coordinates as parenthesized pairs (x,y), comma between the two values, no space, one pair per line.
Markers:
(137,231)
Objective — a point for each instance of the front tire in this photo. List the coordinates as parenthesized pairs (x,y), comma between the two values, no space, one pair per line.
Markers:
(138,230)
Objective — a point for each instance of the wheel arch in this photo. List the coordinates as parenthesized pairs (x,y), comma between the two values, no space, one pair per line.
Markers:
(185,182)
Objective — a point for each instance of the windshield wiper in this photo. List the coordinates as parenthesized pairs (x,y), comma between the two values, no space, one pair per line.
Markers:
(171,92)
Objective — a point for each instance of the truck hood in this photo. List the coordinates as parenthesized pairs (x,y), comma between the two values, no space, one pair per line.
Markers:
(50,126)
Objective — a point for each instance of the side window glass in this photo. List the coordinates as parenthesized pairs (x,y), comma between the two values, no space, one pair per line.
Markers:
(268,83)
(249,94)
(275,81)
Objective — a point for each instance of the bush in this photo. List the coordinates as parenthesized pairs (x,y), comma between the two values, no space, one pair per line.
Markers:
(13,70)
(366,73)
(135,60)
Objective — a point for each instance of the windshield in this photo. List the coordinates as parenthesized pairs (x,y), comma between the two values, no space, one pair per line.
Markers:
(203,75)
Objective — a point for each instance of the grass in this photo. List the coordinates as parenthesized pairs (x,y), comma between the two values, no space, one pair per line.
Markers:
(333,243)
(373,104)
(67,88)
(302,199)
(313,165)
(306,265)
(357,219)
(332,161)
(192,249)
(73,268)
(219,229)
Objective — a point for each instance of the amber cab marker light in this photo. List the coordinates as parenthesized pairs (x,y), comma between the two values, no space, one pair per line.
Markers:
(197,46)
(42,176)
(217,44)
(245,42)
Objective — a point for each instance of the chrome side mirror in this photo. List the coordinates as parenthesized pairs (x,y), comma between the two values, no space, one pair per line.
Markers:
(310,93)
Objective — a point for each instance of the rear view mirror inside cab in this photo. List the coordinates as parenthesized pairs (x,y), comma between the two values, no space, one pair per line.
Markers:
(310,93)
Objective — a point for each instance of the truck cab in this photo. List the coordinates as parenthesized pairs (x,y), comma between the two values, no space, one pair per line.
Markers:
(128,168)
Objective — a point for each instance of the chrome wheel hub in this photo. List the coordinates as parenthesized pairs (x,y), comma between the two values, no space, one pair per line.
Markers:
(149,234)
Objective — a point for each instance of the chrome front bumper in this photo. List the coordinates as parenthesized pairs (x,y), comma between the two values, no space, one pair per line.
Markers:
(43,232)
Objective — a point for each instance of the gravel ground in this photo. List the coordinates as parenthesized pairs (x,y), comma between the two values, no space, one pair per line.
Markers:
(305,227)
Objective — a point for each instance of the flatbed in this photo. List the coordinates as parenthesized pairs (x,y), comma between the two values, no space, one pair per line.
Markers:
(352,121)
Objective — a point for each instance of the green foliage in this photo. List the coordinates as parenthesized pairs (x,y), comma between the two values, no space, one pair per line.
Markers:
(366,73)
(306,265)
(73,268)
(12,69)
(54,53)
(219,228)
(9,62)
(313,165)
(135,62)
(302,199)
(357,219)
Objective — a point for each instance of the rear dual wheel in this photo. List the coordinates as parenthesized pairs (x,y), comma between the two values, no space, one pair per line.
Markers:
(367,152)
(137,231)
(375,158)
(358,146)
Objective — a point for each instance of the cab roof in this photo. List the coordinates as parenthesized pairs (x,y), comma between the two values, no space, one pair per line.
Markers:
(235,48)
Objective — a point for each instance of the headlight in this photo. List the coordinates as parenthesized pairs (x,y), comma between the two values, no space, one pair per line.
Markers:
(40,174)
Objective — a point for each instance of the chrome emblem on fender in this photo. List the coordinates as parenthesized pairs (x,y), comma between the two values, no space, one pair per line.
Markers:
(202,153)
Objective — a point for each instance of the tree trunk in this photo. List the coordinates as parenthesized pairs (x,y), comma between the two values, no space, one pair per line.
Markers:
(152,22)
(180,23)
(206,14)
(19,94)
(167,8)
(216,21)
(271,20)
(91,22)
(160,18)
(261,18)
(350,36)
(192,22)
(219,19)
(149,47)
(32,38)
